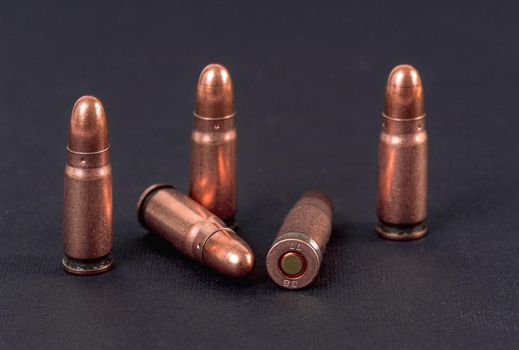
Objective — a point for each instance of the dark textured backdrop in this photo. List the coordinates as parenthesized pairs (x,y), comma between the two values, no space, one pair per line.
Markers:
(309,81)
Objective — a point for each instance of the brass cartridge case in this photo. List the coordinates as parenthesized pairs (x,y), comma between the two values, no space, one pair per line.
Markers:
(213,144)
(88,191)
(295,257)
(402,159)
(194,231)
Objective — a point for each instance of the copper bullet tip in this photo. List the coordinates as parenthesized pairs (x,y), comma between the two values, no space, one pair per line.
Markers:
(228,254)
(214,93)
(88,132)
(404,93)
(404,75)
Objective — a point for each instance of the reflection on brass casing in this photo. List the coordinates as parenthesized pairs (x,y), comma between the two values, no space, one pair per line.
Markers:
(213,144)
(88,191)
(295,257)
(402,160)
(194,231)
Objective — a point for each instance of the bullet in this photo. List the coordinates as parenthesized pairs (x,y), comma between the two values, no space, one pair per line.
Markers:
(402,158)
(88,191)
(194,231)
(295,257)
(213,144)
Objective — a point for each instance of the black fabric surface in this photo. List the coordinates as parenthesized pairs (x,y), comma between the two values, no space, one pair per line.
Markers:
(309,81)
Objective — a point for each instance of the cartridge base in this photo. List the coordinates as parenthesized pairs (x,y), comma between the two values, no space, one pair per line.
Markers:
(87,266)
(401,232)
(293,261)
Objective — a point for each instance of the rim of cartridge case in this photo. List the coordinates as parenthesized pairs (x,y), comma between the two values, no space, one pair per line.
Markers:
(401,232)
(299,243)
(145,198)
(87,266)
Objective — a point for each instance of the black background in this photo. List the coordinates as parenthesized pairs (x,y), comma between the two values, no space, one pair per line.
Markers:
(309,81)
